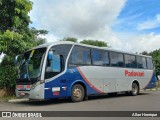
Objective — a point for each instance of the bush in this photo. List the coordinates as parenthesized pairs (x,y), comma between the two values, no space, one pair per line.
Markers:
(8,74)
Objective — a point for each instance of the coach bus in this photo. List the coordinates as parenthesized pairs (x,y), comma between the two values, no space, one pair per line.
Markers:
(73,70)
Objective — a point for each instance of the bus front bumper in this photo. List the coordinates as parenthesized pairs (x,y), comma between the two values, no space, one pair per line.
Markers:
(34,93)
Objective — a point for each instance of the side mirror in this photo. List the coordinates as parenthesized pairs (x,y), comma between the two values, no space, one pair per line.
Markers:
(50,55)
(55,62)
(17,59)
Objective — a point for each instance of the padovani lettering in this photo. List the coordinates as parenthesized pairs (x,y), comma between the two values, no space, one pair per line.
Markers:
(133,73)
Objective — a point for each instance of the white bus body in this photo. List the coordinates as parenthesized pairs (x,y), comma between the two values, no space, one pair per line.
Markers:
(67,69)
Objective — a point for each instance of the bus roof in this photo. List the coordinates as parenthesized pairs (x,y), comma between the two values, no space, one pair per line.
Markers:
(84,45)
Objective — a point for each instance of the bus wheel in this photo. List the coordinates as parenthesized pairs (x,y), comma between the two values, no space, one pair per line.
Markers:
(77,94)
(135,89)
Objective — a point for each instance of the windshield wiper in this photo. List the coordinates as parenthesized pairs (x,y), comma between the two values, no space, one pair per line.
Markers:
(27,66)
(23,67)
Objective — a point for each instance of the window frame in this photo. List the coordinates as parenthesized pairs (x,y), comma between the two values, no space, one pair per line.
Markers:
(142,61)
(109,58)
(135,60)
(101,50)
(63,63)
(151,62)
(71,64)
(122,57)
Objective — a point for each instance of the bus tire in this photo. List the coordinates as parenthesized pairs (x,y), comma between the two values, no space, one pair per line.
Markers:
(135,89)
(77,93)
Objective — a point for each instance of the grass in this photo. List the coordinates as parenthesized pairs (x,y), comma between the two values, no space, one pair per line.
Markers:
(6,98)
(6,94)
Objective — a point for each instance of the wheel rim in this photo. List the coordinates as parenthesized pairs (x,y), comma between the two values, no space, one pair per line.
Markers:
(134,88)
(77,93)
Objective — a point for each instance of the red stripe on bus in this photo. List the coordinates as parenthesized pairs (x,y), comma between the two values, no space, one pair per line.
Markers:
(149,80)
(83,76)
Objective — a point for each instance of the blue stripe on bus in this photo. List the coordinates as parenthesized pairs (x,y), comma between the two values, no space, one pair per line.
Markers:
(71,77)
(152,81)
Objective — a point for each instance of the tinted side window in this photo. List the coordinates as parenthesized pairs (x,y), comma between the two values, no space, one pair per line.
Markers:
(149,63)
(62,49)
(144,62)
(130,61)
(116,59)
(100,57)
(141,62)
(80,56)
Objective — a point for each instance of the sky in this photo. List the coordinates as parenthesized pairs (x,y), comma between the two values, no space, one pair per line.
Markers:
(127,25)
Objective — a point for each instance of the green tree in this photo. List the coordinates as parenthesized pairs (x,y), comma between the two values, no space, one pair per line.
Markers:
(95,43)
(14,14)
(156,58)
(144,53)
(15,36)
(72,39)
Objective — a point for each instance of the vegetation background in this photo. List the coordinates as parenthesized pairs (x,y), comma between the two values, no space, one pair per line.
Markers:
(16,37)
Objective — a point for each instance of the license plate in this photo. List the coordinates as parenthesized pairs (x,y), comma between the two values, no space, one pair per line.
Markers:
(22,94)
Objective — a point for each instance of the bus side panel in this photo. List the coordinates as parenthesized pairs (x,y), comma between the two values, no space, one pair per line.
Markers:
(116,79)
(53,88)
(61,86)
(97,81)
(99,78)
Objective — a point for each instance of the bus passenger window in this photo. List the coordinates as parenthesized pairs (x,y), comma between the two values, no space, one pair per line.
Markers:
(80,56)
(130,61)
(141,62)
(149,63)
(144,63)
(116,59)
(100,57)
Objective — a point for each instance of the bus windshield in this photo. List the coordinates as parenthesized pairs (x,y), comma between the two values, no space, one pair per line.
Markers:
(31,63)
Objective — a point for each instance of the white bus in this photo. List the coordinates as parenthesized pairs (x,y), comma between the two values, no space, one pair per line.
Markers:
(73,70)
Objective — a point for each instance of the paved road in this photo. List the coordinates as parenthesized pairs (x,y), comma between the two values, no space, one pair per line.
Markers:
(146,101)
